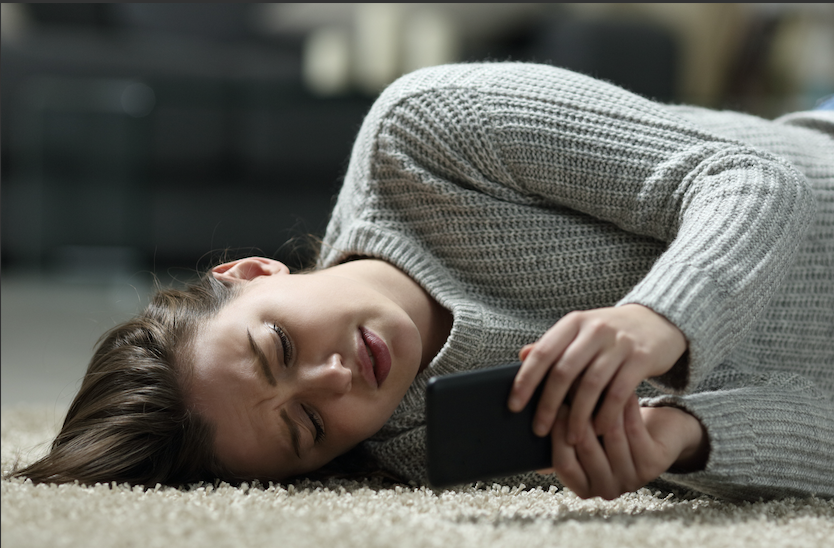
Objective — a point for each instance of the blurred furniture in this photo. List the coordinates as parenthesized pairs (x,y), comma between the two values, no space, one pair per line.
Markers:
(130,141)
(637,55)
(147,135)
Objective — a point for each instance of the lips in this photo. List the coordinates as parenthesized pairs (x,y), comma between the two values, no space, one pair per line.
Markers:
(378,364)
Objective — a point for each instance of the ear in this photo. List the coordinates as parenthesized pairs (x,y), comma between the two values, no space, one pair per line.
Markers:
(244,270)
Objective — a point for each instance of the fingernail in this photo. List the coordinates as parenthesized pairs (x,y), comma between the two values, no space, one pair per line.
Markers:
(540,429)
(515,403)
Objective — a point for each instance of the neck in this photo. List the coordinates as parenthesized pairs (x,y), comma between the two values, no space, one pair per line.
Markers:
(432,320)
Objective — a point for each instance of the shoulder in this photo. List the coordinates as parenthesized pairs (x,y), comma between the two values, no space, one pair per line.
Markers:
(499,78)
(819,120)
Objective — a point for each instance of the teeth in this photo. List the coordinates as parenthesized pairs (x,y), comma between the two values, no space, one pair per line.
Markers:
(373,361)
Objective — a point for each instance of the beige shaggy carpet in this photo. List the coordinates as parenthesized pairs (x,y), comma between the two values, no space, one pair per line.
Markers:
(372,514)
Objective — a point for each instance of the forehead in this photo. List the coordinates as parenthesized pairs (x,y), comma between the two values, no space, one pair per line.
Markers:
(220,347)
(227,391)
(223,378)
(221,373)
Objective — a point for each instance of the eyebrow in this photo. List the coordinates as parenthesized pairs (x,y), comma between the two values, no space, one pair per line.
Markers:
(266,372)
(263,361)
(294,436)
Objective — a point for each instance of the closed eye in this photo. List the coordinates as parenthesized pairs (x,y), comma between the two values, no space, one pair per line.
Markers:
(286,344)
(317,423)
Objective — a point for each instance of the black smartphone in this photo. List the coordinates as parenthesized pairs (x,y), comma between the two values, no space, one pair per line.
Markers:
(472,435)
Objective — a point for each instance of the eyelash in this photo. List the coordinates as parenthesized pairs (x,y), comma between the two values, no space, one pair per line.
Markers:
(317,423)
(285,342)
(287,345)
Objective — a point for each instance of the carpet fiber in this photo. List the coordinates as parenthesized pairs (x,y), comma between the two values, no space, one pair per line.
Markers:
(374,514)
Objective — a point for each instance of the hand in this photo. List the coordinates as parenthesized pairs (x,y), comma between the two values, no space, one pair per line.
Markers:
(644,443)
(607,349)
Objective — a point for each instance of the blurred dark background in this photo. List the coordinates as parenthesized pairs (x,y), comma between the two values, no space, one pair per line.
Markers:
(140,141)
(140,136)
(143,136)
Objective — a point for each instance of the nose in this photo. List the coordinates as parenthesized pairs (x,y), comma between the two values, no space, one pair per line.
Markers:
(330,377)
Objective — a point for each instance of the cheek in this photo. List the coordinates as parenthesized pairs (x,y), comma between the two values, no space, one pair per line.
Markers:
(362,420)
(408,347)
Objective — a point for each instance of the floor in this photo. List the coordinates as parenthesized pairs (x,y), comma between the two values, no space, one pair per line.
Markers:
(50,326)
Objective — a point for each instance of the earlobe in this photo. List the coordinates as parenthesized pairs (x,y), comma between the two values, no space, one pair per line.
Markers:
(248,269)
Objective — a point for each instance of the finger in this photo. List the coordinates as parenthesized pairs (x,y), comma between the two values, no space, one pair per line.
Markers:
(618,450)
(565,463)
(571,395)
(594,461)
(639,439)
(525,350)
(617,394)
(545,352)
(576,357)
(591,386)
(635,427)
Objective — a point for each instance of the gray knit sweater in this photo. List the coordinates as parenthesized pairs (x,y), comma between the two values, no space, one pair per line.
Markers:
(516,193)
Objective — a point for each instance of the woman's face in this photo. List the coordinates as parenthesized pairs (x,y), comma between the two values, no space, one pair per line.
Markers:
(299,368)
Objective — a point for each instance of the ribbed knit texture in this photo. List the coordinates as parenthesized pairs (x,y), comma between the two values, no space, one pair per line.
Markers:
(516,193)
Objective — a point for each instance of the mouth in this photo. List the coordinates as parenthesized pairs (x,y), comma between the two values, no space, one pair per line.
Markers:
(379,357)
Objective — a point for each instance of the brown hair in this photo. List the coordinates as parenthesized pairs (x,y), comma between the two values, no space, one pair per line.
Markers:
(129,421)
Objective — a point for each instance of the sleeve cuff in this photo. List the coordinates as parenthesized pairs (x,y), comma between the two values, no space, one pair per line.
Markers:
(692,301)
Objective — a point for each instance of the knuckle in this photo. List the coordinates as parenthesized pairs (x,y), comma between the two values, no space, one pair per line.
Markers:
(539,354)
(598,327)
(594,380)
(617,394)
(625,340)
(586,444)
(560,374)
(640,354)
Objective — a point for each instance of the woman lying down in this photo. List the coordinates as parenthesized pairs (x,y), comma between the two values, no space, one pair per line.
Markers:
(667,272)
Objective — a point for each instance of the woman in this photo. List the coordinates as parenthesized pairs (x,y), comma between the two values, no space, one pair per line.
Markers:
(492,210)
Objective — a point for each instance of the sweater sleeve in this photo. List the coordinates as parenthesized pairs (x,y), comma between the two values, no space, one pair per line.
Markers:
(731,216)
(770,436)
